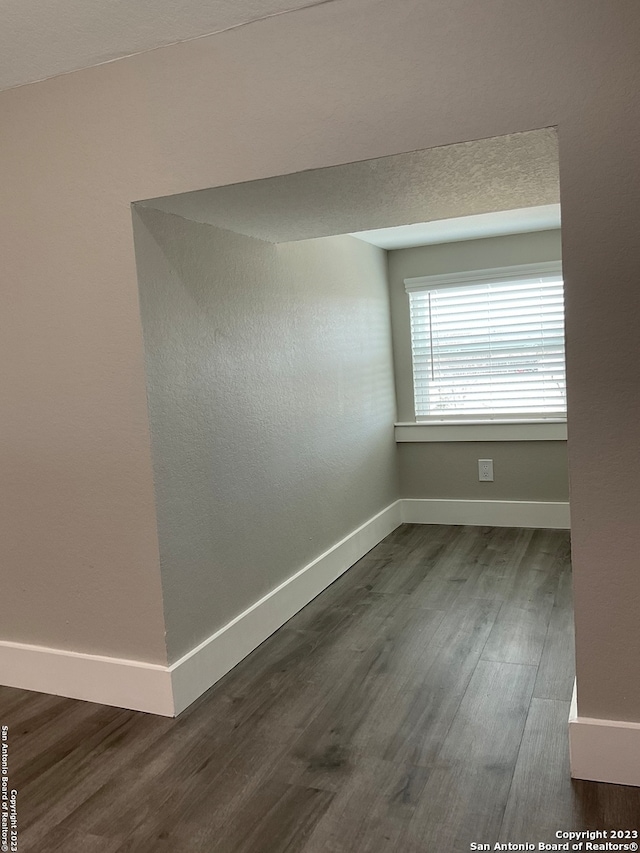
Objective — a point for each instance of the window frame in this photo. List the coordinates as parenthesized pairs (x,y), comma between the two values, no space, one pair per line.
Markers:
(528,427)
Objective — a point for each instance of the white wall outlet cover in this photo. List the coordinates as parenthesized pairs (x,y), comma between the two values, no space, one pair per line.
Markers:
(485,470)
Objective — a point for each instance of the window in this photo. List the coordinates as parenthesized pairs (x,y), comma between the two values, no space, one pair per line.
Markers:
(489,344)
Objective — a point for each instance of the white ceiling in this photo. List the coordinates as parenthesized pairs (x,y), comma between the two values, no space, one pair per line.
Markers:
(496,224)
(43,38)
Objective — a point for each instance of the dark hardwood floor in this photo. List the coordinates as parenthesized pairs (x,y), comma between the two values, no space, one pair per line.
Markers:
(419,704)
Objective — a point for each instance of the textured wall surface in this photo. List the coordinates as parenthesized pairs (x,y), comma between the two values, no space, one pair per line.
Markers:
(342,82)
(523,470)
(270,385)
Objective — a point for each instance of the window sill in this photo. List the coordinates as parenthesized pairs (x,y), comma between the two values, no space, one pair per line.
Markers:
(548,430)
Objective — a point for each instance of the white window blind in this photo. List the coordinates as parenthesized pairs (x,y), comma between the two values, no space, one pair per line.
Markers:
(489,344)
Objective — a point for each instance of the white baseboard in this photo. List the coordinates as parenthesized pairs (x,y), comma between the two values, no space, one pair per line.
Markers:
(549,514)
(603,750)
(110,681)
(168,690)
(200,668)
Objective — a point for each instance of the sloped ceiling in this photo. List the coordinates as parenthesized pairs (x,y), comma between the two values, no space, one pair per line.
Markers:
(43,38)
(500,174)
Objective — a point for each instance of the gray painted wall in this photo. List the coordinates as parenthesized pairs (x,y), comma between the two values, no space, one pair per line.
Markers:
(271,399)
(524,470)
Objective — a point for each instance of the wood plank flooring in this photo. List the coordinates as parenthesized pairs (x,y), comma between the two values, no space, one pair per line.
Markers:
(419,704)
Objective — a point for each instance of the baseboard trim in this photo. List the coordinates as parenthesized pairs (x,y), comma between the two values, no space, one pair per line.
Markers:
(124,683)
(543,514)
(168,690)
(200,668)
(603,750)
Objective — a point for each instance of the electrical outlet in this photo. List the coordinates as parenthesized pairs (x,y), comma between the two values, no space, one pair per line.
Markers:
(485,470)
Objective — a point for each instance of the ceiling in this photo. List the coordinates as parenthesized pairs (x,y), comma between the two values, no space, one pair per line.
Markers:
(496,224)
(471,179)
(43,38)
